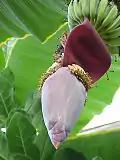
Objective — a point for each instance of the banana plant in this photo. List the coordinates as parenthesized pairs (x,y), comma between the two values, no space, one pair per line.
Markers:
(22,65)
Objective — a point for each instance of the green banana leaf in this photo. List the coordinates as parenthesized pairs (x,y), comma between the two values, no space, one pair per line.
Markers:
(22,132)
(32,17)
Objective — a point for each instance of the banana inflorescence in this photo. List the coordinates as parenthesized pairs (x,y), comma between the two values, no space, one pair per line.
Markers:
(103,15)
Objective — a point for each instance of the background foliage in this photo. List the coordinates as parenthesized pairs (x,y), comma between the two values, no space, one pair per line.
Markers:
(22,61)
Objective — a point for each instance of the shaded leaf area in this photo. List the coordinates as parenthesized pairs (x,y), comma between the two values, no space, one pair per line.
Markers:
(34,109)
(23,133)
(4,152)
(16,110)
(69,154)
(28,60)
(1,158)
(7,100)
(103,145)
(44,144)
(100,96)
(16,18)
(2,59)
(21,157)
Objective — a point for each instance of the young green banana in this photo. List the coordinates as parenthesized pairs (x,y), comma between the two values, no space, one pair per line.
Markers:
(86,8)
(111,16)
(78,10)
(71,12)
(115,24)
(107,11)
(112,34)
(101,10)
(93,10)
(71,23)
(96,9)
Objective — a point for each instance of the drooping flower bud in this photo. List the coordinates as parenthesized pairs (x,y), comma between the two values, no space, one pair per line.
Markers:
(63,97)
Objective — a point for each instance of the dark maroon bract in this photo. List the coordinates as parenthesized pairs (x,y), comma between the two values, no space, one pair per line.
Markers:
(85,48)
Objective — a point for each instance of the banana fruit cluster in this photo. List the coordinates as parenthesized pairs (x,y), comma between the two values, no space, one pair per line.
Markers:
(103,15)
